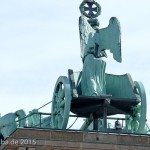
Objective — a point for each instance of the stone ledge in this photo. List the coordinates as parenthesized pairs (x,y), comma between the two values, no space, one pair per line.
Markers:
(41,139)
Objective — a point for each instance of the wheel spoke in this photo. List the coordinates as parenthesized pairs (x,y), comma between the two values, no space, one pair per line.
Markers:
(56,121)
(138,117)
(55,111)
(61,93)
(62,112)
(60,121)
(59,100)
(56,98)
(62,104)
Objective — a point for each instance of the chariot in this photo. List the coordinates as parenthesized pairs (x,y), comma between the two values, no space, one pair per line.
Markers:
(124,96)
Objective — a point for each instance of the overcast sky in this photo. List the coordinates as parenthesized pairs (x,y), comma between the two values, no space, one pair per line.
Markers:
(39,41)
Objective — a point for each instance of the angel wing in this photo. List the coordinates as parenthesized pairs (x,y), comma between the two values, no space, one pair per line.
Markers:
(106,38)
(110,38)
(87,33)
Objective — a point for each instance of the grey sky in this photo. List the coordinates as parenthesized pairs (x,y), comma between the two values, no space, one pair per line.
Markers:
(39,41)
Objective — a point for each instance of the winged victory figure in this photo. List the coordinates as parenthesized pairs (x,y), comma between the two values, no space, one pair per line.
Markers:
(94,42)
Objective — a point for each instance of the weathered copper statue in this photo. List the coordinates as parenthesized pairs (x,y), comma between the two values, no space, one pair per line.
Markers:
(94,43)
(90,93)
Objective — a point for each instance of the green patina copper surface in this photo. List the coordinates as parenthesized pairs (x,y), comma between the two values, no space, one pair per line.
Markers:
(94,43)
(61,103)
(8,122)
(34,118)
(93,81)
(119,94)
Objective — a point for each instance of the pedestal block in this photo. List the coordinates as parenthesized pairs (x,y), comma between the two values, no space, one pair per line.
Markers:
(41,139)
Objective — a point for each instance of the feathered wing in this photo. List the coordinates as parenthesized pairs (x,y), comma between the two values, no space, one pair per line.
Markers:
(110,38)
(86,36)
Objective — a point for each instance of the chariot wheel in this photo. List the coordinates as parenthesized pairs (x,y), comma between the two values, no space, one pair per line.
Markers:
(138,118)
(61,103)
